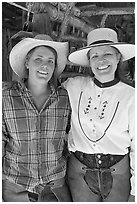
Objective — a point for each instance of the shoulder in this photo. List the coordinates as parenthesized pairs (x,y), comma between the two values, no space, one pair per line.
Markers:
(76,82)
(62,91)
(127,93)
(127,88)
(62,96)
(8,86)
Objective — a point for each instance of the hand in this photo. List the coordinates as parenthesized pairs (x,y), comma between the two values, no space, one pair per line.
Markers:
(131,198)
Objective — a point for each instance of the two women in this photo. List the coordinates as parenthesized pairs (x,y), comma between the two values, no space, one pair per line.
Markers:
(35,119)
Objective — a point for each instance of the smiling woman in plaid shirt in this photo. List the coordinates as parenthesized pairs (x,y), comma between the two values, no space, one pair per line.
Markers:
(35,120)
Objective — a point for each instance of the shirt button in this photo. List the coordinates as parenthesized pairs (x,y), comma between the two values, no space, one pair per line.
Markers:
(99,161)
(94,145)
(98,155)
(98,95)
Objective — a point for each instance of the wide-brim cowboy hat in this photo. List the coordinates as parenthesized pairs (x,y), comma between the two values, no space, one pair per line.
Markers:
(18,53)
(100,37)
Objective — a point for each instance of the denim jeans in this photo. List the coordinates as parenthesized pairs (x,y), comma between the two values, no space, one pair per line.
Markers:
(55,191)
(99,184)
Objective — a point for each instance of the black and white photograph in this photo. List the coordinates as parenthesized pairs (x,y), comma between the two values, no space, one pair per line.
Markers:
(68,101)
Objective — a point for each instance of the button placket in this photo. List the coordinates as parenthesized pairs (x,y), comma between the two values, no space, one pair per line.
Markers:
(98,100)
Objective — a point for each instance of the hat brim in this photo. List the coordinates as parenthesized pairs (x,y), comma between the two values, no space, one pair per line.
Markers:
(19,51)
(80,58)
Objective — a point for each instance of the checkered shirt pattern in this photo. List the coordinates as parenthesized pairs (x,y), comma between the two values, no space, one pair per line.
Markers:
(33,141)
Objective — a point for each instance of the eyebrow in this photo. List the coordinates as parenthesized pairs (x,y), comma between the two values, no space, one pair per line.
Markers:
(105,51)
(94,53)
(48,57)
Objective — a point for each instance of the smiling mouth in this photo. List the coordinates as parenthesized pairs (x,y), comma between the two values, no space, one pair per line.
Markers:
(43,73)
(103,67)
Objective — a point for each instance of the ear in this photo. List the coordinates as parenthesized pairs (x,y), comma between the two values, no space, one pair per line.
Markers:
(26,64)
(119,56)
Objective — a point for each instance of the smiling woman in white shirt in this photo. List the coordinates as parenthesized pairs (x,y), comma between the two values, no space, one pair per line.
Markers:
(101,140)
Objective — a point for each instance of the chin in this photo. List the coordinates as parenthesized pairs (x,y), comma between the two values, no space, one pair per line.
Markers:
(43,79)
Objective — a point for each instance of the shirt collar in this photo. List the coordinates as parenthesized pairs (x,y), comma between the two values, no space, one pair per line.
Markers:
(106,84)
(23,85)
(24,90)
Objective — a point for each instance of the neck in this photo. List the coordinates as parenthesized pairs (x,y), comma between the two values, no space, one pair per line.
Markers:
(106,84)
(104,79)
(38,89)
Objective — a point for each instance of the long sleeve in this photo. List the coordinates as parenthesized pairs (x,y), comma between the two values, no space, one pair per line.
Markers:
(132,166)
(5,137)
(132,147)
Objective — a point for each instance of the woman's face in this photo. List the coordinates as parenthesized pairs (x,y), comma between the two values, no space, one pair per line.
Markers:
(103,61)
(41,64)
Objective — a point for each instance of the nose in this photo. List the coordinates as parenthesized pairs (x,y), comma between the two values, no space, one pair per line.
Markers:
(44,66)
(101,59)
(46,63)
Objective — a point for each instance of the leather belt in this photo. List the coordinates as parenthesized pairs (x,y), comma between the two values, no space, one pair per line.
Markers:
(99,160)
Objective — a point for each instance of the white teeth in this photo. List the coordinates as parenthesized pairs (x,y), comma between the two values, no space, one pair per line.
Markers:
(42,72)
(103,67)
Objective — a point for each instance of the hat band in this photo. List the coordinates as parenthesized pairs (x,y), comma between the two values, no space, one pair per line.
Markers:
(101,41)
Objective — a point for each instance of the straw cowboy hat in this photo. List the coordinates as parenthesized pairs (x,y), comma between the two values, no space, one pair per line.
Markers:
(99,37)
(19,51)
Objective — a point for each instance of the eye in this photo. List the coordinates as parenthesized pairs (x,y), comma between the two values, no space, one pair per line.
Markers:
(94,56)
(51,61)
(38,60)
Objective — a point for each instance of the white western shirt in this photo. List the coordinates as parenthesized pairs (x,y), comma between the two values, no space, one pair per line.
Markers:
(102,119)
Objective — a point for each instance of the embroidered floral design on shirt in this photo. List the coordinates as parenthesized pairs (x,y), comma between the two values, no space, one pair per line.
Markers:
(97,136)
(86,110)
(105,103)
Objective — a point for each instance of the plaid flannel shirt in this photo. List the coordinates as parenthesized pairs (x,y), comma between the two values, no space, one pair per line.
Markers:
(33,141)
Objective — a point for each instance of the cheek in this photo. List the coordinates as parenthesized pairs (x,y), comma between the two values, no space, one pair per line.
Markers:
(36,64)
(31,64)
(115,58)
(52,67)
(93,65)
(116,61)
